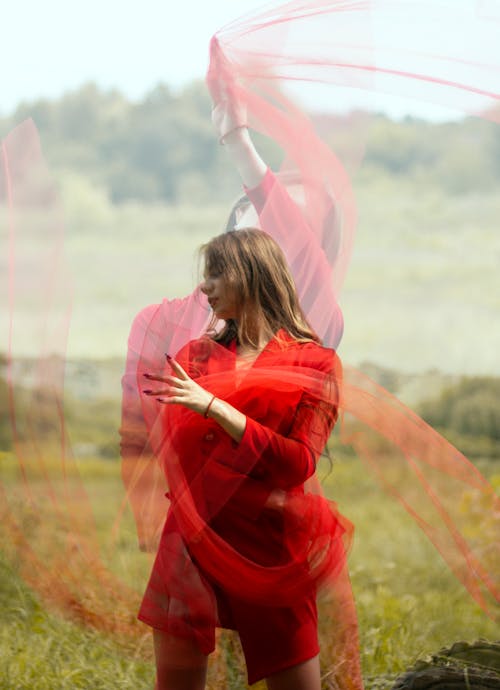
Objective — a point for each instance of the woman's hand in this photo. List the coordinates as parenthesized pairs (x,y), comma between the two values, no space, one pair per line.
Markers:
(229,117)
(180,390)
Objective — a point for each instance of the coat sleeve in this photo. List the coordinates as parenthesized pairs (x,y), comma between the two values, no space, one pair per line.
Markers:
(288,460)
(282,461)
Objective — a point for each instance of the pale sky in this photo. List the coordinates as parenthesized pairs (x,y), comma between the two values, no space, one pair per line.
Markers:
(54,46)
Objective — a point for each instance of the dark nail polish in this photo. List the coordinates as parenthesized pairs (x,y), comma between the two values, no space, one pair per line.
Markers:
(147,392)
(168,357)
(147,376)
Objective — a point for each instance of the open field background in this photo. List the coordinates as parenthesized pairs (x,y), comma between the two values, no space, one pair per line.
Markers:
(422,290)
(142,186)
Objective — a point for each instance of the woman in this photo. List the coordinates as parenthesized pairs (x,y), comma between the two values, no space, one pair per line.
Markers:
(267,450)
(248,409)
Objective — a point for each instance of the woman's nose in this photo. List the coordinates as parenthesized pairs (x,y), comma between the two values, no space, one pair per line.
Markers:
(205,287)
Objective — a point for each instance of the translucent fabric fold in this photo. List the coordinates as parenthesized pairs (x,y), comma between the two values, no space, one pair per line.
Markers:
(48,527)
(255,61)
(196,497)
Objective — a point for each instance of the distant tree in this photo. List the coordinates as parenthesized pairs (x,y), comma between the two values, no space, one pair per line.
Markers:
(399,147)
(465,162)
(163,147)
(471,407)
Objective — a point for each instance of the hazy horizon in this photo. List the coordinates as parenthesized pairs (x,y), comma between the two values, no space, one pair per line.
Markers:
(64,46)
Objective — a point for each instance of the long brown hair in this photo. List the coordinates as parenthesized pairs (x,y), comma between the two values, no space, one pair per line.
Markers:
(253,264)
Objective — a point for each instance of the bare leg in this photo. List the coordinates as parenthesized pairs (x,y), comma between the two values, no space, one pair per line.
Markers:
(304,676)
(179,663)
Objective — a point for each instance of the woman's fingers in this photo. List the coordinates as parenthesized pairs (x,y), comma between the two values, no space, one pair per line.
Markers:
(172,400)
(172,380)
(155,377)
(162,391)
(177,368)
(181,388)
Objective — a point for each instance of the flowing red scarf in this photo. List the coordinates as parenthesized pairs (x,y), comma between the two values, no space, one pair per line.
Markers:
(260,60)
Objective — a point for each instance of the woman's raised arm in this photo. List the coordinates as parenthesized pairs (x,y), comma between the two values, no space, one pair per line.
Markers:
(229,119)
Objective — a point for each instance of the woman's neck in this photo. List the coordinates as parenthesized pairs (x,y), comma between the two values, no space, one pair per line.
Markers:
(259,334)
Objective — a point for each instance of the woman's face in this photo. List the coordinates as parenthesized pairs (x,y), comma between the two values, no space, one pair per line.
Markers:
(221,296)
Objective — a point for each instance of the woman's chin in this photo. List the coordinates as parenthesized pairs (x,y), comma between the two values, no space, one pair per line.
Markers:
(224,315)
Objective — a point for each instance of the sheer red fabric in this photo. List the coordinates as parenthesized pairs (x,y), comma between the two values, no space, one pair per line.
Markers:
(253,61)
(48,526)
(291,396)
(218,489)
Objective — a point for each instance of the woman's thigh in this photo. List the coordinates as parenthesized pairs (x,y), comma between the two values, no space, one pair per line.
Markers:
(180,665)
(275,639)
(303,676)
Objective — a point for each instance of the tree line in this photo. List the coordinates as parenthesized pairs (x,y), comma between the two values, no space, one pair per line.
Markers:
(467,413)
(163,148)
(471,407)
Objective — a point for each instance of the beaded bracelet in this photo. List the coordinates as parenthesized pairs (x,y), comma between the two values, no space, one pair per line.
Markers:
(208,407)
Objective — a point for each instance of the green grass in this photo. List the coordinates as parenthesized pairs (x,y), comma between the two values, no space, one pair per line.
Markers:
(408,603)
(42,651)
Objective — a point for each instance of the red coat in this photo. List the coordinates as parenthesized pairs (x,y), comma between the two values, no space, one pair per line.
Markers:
(218,532)
(169,325)
(220,488)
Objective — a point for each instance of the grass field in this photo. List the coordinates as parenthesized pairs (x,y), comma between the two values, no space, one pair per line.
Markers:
(407,601)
